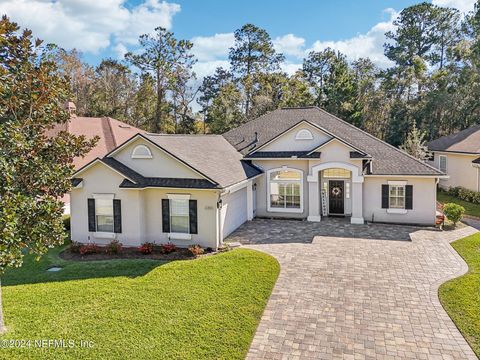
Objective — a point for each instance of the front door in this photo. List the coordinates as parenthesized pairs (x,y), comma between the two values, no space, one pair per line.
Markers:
(335,195)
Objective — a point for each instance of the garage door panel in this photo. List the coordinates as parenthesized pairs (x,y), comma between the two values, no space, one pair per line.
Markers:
(234,211)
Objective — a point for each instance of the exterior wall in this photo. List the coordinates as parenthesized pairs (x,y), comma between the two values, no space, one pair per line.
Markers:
(287,141)
(347,201)
(161,165)
(460,170)
(141,211)
(424,201)
(234,211)
(262,184)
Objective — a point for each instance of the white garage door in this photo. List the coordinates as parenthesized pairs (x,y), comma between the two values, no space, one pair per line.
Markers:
(234,211)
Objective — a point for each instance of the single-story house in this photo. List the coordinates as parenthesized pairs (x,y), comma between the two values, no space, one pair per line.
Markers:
(301,163)
(458,156)
(111,133)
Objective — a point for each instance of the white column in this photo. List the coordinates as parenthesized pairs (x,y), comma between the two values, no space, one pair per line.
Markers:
(313,198)
(357,201)
(250,200)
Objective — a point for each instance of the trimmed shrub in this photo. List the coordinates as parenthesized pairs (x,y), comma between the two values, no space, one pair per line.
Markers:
(453,212)
(464,194)
(196,250)
(114,247)
(146,248)
(168,248)
(89,249)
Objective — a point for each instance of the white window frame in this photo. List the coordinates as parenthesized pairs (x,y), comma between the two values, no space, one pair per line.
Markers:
(397,210)
(141,156)
(440,157)
(104,234)
(286,210)
(304,134)
(177,235)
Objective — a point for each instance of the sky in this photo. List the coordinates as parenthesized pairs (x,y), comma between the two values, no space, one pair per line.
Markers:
(109,28)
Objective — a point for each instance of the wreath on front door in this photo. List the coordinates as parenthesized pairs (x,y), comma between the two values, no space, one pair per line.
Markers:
(336,191)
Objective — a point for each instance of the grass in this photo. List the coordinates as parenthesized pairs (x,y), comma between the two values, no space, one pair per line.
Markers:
(461,296)
(470,208)
(141,309)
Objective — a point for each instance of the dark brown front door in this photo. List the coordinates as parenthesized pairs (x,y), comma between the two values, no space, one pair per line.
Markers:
(335,194)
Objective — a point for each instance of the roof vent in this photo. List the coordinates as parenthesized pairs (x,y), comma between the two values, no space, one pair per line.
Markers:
(256,137)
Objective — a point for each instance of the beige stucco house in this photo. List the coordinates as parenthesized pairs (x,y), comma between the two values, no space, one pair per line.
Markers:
(458,156)
(301,163)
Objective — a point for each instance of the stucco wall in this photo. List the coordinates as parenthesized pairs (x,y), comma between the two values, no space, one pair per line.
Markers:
(234,210)
(141,211)
(287,141)
(460,170)
(424,201)
(262,184)
(161,165)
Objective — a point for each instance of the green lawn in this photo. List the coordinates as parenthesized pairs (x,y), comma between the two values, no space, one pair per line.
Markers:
(139,309)
(470,208)
(461,296)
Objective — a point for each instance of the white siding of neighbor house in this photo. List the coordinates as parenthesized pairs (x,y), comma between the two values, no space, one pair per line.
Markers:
(460,170)
(234,210)
(141,211)
(424,201)
(287,141)
(160,165)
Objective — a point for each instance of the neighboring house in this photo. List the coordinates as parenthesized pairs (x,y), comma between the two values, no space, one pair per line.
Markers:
(299,163)
(111,133)
(458,156)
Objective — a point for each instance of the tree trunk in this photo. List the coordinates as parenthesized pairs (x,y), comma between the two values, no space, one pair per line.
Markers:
(158,107)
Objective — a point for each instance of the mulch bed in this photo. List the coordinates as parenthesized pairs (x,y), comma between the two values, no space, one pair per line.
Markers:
(130,253)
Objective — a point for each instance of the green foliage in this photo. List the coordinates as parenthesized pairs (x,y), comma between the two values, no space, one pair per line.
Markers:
(149,300)
(35,169)
(465,194)
(415,143)
(453,212)
(470,208)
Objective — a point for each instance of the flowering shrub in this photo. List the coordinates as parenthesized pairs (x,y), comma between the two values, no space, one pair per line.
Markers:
(168,248)
(89,249)
(114,247)
(75,247)
(196,250)
(146,248)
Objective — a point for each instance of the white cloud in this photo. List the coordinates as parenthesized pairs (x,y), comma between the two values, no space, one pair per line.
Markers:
(369,44)
(290,45)
(208,48)
(462,5)
(89,25)
(205,68)
(290,68)
(120,50)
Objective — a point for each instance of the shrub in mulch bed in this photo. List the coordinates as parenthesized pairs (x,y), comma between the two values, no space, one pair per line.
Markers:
(146,248)
(196,250)
(168,248)
(89,249)
(115,247)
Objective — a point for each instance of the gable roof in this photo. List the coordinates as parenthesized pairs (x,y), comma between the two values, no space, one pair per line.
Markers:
(465,141)
(387,159)
(211,155)
(110,131)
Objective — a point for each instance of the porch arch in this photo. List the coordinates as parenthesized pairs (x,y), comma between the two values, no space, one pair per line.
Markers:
(356,175)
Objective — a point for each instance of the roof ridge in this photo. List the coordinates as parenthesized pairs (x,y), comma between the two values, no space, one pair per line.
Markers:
(377,139)
(107,129)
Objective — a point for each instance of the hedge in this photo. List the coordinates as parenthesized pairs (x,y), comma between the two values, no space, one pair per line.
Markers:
(465,194)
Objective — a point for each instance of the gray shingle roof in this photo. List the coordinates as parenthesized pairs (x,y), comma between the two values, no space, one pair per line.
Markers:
(211,155)
(284,154)
(465,141)
(387,160)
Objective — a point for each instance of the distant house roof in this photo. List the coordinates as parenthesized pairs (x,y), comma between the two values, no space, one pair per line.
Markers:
(387,159)
(284,154)
(465,141)
(110,131)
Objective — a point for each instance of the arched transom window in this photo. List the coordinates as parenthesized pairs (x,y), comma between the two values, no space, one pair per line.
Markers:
(336,173)
(304,134)
(141,152)
(285,190)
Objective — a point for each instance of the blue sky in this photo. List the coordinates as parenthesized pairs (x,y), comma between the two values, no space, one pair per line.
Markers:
(108,28)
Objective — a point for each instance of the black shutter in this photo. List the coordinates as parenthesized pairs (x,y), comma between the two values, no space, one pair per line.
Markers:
(192,212)
(165,215)
(91,215)
(384,196)
(117,216)
(409,197)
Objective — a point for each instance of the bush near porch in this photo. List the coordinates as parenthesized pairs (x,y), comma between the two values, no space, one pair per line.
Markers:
(471,208)
(461,296)
(141,309)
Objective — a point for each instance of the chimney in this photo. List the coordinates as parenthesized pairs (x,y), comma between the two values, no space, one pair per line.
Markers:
(71,108)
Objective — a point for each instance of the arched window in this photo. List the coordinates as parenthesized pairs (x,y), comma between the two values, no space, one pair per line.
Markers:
(304,134)
(141,152)
(285,190)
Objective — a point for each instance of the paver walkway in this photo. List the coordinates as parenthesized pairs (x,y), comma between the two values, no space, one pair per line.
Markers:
(357,298)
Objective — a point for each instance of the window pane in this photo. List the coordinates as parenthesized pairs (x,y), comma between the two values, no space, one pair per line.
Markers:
(104,207)
(274,189)
(285,175)
(179,224)
(104,223)
(276,201)
(179,207)
(336,173)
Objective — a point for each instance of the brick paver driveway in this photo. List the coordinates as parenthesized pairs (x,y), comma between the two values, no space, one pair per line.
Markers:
(356,297)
